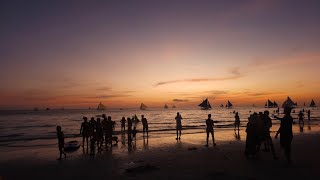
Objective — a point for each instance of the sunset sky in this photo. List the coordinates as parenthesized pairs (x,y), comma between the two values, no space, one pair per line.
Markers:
(74,54)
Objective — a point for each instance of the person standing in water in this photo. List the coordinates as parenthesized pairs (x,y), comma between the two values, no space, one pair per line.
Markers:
(210,124)
(237,121)
(129,131)
(178,125)
(144,124)
(285,132)
(309,112)
(301,117)
(60,137)
(123,124)
(84,130)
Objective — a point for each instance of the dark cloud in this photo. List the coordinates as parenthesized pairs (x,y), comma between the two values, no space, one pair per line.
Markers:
(180,100)
(198,80)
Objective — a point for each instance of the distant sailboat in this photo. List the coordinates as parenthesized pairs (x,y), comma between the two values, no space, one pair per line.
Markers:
(313,104)
(221,105)
(205,105)
(143,106)
(101,107)
(173,106)
(275,104)
(165,106)
(269,104)
(229,105)
(47,109)
(288,103)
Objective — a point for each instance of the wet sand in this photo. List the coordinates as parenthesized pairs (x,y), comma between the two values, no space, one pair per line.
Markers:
(166,158)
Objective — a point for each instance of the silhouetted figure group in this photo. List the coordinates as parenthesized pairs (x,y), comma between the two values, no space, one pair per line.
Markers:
(258,132)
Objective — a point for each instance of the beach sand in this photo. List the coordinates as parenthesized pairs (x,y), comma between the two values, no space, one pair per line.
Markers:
(166,158)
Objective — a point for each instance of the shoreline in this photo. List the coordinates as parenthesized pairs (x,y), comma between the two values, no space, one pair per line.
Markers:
(165,157)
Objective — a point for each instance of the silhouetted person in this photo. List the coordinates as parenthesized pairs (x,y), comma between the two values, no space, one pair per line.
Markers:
(237,121)
(113,126)
(301,117)
(92,126)
(178,125)
(251,140)
(268,140)
(260,130)
(285,131)
(134,133)
(109,131)
(84,130)
(129,131)
(144,124)
(99,132)
(60,137)
(123,124)
(309,113)
(210,124)
(104,124)
(93,144)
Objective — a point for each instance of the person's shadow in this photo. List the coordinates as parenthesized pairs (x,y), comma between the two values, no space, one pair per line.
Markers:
(237,135)
(301,126)
(145,143)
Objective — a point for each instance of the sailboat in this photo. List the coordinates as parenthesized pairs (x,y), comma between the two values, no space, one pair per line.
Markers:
(221,105)
(143,106)
(205,105)
(173,106)
(275,104)
(229,105)
(313,104)
(165,106)
(101,106)
(269,104)
(288,103)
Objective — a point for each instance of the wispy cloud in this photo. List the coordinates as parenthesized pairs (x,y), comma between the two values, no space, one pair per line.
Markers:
(180,100)
(104,88)
(109,96)
(235,71)
(198,80)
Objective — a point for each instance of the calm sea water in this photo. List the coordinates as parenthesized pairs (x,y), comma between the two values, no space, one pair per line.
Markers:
(24,126)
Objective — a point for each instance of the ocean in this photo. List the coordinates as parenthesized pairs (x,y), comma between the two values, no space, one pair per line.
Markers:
(20,128)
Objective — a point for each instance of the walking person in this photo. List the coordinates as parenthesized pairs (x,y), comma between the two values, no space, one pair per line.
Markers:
(210,124)
(237,121)
(251,140)
(60,137)
(268,140)
(309,113)
(178,125)
(285,132)
(144,124)
(99,133)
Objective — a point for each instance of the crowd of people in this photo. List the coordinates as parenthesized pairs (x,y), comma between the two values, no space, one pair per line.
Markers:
(257,129)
